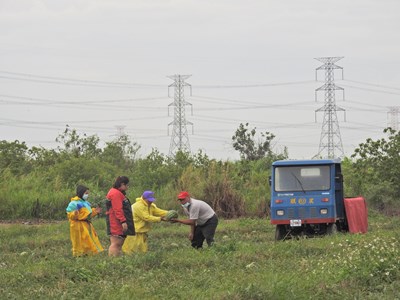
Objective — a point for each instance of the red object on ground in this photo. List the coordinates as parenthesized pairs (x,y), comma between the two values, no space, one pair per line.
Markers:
(357,214)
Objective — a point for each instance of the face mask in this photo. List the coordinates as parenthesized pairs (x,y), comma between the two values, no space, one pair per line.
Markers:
(186,205)
(85,196)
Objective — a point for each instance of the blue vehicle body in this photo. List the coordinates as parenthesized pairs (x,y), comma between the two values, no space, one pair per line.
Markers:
(307,197)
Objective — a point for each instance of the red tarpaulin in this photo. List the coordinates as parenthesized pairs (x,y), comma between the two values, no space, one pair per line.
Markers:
(357,214)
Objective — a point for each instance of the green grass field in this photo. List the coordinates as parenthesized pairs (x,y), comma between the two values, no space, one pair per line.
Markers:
(245,263)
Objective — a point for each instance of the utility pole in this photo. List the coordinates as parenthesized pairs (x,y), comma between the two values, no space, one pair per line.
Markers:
(393,116)
(179,137)
(330,133)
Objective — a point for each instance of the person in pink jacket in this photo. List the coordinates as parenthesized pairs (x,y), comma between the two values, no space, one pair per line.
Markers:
(118,216)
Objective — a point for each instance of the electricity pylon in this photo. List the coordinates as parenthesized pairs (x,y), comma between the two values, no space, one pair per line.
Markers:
(179,137)
(330,133)
(393,115)
(120,131)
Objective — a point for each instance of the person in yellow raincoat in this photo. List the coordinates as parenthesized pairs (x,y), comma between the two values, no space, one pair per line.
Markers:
(145,212)
(83,235)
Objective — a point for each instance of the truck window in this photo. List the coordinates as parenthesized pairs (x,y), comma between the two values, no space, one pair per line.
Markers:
(302,178)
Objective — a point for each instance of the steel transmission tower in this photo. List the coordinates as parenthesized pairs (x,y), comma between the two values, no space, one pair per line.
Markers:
(393,115)
(120,131)
(330,133)
(179,137)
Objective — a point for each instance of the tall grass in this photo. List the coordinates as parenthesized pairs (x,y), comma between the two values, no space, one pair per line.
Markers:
(245,263)
(45,196)
(32,196)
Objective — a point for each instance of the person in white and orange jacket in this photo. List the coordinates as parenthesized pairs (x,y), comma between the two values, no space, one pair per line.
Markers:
(145,213)
(82,233)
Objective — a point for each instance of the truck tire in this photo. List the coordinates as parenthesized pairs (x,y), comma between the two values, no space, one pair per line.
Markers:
(280,232)
(331,229)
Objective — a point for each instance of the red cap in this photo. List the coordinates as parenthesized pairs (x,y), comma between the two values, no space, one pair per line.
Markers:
(183,195)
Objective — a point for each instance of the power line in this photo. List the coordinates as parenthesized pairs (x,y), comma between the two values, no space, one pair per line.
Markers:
(373,84)
(226,105)
(80,101)
(15,121)
(370,90)
(97,83)
(240,102)
(252,85)
(72,81)
(59,80)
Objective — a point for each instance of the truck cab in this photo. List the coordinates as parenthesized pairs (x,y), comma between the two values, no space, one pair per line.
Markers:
(307,198)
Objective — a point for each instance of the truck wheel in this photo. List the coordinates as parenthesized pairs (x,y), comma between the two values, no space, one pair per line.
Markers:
(331,229)
(280,232)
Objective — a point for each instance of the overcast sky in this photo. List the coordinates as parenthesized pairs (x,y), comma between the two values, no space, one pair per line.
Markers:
(100,65)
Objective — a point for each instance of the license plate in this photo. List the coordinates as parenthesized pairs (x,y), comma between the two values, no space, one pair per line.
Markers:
(295,223)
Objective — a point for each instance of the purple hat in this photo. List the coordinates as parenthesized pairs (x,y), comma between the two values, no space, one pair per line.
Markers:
(149,196)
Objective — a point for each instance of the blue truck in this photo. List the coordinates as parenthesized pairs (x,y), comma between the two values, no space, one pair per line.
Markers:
(307,198)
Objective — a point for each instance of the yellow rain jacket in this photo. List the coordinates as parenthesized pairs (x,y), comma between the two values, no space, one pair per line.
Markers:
(143,217)
(83,235)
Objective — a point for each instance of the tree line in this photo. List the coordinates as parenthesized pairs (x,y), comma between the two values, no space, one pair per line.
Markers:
(37,182)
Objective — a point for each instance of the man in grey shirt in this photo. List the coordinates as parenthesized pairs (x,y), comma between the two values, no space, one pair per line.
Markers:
(202,220)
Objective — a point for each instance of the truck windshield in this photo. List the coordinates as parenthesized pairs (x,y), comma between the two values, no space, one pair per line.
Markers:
(302,178)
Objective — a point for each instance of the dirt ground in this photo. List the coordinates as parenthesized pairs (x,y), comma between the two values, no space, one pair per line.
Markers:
(28,222)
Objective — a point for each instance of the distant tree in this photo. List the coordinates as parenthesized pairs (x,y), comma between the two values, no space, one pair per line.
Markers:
(245,141)
(42,157)
(353,182)
(378,163)
(201,159)
(77,146)
(382,155)
(78,170)
(182,159)
(121,152)
(153,171)
(14,156)
(157,170)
